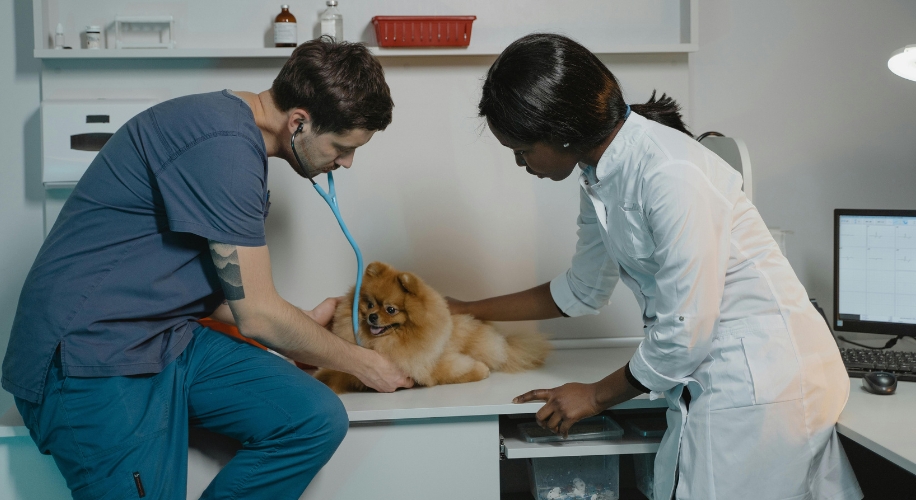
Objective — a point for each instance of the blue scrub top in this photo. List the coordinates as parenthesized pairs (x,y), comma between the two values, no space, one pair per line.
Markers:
(126,269)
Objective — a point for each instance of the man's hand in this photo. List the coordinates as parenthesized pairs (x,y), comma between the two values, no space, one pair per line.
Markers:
(380,374)
(565,405)
(323,313)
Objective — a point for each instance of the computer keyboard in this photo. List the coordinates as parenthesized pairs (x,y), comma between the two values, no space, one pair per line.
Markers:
(861,361)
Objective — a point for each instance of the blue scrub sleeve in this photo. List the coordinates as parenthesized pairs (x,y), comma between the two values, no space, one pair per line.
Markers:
(216,189)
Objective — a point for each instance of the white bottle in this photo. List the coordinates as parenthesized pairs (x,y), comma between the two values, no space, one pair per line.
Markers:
(59,37)
(93,37)
(332,21)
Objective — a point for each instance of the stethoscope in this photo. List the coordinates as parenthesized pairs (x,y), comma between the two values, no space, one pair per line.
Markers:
(331,199)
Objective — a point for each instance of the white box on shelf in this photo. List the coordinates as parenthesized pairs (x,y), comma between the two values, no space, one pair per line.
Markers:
(73,131)
(148,32)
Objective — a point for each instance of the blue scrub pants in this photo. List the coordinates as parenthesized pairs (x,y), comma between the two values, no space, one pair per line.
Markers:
(127,437)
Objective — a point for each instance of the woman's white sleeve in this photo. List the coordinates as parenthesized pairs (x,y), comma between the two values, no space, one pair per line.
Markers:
(690,223)
(587,285)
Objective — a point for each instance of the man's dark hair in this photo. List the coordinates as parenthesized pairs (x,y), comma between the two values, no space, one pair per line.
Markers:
(340,84)
(548,88)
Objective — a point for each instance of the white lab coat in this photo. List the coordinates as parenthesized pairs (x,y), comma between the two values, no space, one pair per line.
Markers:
(725,316)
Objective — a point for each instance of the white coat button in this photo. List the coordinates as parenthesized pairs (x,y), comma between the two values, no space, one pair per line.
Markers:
(681,318)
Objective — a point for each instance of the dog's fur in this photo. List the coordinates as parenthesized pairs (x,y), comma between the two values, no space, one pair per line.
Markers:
(409,323)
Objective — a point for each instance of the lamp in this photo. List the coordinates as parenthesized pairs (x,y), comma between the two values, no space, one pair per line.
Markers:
(903,62)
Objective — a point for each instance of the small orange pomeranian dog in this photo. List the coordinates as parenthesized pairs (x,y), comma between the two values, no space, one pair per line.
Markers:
(409,323)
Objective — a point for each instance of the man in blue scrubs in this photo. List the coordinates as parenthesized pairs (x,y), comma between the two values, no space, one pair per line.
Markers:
(106,361)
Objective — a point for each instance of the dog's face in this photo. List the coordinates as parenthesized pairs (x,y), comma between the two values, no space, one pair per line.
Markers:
(383,299)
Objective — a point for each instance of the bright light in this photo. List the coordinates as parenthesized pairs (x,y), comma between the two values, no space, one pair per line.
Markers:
(903,62)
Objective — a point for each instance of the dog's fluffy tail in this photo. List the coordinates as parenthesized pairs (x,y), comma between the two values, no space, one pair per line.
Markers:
(525,350)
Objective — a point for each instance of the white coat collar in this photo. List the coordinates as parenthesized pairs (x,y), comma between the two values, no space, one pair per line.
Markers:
(620,150)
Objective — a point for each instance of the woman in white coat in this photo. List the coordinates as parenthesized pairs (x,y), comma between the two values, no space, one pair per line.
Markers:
(753,378)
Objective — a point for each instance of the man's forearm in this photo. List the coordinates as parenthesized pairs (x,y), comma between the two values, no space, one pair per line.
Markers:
(291,332)
(223,314)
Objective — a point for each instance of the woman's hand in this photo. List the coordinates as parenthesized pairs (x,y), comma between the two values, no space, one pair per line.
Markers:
(565,405)
(569,403)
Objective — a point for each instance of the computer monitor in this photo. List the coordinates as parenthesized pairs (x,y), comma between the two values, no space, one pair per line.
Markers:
(874,271)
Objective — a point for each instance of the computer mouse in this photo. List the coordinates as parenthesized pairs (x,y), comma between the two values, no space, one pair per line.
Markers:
(883,383)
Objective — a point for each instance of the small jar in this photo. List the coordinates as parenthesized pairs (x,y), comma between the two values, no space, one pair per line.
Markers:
(285,34)
(93,37)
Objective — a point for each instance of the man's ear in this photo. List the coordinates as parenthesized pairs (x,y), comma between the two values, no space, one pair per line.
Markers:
(296,117)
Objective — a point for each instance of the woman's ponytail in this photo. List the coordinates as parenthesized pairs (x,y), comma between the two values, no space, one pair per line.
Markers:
(664,110)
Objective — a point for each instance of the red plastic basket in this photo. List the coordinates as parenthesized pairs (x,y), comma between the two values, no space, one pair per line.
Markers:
(423,31)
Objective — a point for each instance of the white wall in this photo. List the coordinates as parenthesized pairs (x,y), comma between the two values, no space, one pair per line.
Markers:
(805,84)
(827,125)
(21,193)
(436,194)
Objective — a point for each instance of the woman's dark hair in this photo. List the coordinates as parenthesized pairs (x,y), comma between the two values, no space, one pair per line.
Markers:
(340,84)
(548,88)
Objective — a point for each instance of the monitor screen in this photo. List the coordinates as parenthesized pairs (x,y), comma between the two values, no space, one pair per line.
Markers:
(874,261)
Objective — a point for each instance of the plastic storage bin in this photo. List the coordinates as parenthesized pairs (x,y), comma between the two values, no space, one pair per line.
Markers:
(648,427)
(575,478)
(423,31)
(653,426)
(644,469)
(600,427)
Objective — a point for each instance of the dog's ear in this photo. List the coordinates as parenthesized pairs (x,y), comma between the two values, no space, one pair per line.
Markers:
(409,282)
(375,268)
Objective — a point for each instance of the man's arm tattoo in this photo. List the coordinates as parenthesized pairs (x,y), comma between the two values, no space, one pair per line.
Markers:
(226,259)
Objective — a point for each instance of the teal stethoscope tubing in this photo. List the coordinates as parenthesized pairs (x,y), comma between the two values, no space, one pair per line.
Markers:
(331,199)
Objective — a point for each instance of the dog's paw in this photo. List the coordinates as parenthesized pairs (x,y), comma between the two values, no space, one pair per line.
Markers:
(480,371)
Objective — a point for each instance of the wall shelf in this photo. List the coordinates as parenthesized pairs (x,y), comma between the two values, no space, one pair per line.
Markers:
(610,27)
(265,53)
(283,53)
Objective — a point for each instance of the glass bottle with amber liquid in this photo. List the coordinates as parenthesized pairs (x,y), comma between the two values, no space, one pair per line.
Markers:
(285,28)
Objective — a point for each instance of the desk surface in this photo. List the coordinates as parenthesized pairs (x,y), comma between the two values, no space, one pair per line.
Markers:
(493,396)
(883,424)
